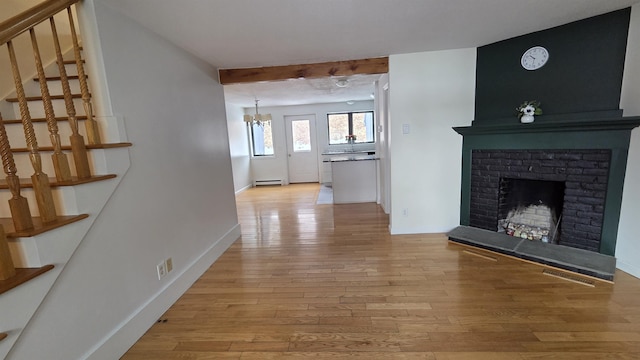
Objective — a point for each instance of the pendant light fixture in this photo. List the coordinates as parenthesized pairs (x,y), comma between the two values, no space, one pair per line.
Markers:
(258,118)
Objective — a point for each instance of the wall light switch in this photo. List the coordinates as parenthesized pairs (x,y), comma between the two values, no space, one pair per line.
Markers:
(406,128)
(162,270)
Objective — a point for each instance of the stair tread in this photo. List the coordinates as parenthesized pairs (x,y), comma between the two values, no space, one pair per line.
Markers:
(68,147)
(26,182)
(61,118)
(39,98)
(22,275)
(68,62)
(57,78)
(38,226)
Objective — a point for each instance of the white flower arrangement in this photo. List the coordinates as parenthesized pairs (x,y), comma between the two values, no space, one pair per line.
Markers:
(529,108)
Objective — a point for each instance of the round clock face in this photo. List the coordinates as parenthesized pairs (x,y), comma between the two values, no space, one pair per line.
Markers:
(534,58)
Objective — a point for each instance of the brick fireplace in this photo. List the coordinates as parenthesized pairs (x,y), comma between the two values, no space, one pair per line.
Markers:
(588,156)
(582,175)
(578,147)
(565,171)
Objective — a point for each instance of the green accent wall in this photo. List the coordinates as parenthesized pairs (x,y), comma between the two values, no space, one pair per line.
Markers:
(583,73)
(579,90)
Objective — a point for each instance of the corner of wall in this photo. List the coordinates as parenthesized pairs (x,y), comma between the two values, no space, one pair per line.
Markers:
(627,246)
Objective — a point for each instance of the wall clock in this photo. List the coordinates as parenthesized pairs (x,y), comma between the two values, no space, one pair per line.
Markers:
(534,58)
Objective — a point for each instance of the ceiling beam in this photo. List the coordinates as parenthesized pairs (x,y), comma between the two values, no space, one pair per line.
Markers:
(307,71)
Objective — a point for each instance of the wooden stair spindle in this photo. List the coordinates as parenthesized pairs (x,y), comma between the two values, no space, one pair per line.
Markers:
(78,147)
(40,180)
(60,161)
(7,269)
(20,213)
(91,126)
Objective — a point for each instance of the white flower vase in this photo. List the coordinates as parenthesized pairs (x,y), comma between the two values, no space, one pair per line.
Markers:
(526,119)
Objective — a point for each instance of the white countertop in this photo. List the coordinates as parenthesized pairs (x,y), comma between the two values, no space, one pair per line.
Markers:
(352,157)
(345,152)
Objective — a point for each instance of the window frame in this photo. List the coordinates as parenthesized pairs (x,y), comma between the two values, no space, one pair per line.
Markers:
(350,125)
(253,144)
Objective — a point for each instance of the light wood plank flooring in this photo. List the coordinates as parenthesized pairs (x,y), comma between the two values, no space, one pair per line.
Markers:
(329,282)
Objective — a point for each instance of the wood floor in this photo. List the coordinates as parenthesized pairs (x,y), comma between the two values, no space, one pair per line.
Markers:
(313,281)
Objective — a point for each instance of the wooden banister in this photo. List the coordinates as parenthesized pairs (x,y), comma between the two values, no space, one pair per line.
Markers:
(20,213)
(44,197)
(91,126)
(24,21)
(78,148)
(60,162)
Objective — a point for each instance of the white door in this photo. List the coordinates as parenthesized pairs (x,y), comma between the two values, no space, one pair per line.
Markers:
(301,148)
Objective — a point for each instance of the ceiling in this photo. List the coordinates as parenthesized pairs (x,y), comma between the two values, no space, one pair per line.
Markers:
(253,33)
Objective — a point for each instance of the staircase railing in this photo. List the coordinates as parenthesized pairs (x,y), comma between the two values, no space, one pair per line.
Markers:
(18,205)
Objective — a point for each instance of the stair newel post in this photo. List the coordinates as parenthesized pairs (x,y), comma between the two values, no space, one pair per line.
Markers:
(19,206)
(78,148)
(60,161)
(40,180)
(7,268)
(91,126)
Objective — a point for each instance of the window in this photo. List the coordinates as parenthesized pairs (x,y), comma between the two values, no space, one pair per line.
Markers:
(358,124)
(262,139)
(301,134)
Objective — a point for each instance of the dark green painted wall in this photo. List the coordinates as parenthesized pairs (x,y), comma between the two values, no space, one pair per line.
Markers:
(583,74)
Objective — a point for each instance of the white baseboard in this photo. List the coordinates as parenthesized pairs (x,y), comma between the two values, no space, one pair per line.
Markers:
(244,188)
(628,268)
(115,344)
(419,230)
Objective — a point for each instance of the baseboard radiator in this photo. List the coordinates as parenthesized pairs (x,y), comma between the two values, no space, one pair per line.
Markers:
(267,182)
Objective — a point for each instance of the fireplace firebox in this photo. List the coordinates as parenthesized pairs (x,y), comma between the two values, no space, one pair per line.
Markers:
(531,209)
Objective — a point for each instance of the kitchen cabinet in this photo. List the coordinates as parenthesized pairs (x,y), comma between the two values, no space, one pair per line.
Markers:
(354,179)
(328,156)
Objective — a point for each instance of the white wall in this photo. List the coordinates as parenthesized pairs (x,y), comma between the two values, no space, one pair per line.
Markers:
(430,92)
(383,149)
(239,147)
(628,245)
(275,167)
(177,200)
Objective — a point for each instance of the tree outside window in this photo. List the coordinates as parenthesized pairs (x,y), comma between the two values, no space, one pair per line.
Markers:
(358,124)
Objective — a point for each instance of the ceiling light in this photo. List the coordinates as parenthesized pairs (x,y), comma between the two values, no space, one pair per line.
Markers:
(342,83)
(350,102)
(257,119)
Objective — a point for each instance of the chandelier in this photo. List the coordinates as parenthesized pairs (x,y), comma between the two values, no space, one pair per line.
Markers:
(257,119)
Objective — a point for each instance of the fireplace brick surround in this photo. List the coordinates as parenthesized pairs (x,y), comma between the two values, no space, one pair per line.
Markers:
(589,154)
(584,172)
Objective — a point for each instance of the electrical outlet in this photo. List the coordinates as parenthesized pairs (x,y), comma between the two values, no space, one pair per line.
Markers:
(169,264)
(162,270)
(405,212)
